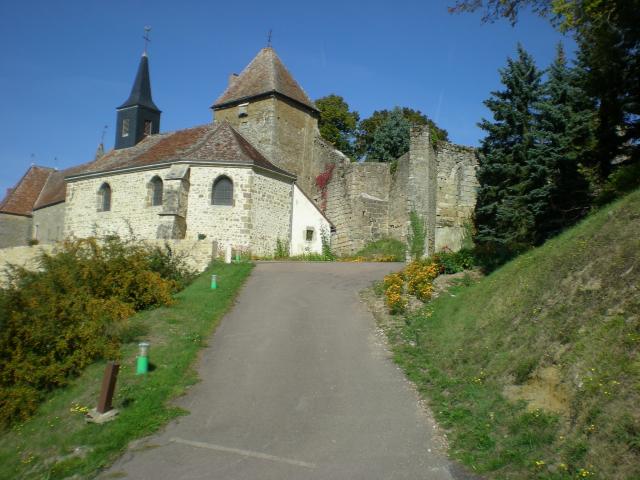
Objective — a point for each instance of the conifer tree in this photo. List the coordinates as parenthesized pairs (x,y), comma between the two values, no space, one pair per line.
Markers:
(511,192)
(391,139)
(565,143)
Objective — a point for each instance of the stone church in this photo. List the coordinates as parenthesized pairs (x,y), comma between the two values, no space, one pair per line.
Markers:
(258,174)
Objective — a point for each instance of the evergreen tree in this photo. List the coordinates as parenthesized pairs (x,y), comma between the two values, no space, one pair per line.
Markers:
(512,189)
(565,142)
(391,138)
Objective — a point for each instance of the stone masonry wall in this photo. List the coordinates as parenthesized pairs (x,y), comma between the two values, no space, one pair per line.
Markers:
(258,125)
(48,223)
(456,195)
(131,213)
(15,230)
(398,200)
(271,213)
(282,131)
(357,204)
(226,224)
(198,254)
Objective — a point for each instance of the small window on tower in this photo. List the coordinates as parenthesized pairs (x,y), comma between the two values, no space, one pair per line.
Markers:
(147,127)
(125,127)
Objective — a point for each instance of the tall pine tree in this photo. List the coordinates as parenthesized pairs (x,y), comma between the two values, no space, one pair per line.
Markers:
(511,193)
(565,143)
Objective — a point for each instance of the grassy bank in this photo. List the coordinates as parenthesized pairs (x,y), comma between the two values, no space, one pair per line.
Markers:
(535,370)
(57,442)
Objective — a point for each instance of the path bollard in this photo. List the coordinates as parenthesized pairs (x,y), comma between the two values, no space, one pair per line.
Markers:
(214,282)
(142,365)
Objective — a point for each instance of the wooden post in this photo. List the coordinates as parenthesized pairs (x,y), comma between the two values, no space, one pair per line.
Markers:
(108,387)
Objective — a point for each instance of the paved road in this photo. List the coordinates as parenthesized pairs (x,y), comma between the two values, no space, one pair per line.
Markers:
(296,384)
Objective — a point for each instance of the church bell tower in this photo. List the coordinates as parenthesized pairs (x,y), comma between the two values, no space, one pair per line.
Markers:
(138,116)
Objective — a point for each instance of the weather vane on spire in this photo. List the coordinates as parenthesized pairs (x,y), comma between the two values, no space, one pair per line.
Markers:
(146,38)
(269,39)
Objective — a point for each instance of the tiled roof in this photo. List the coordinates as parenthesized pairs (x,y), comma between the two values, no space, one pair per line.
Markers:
(21,199)
(265,74)
(217,142)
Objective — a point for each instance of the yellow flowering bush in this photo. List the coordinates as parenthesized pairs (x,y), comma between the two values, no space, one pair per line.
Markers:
(395,298)
(420,276)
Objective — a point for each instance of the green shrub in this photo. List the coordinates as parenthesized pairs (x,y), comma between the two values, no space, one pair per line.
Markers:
(327,253)
(56,321)
(624,179)
(454,262)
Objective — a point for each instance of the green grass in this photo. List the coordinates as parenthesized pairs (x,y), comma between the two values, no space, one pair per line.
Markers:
(389,249)
(572,305)
(44,446)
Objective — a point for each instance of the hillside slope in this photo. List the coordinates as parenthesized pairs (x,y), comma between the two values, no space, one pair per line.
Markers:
(535,369)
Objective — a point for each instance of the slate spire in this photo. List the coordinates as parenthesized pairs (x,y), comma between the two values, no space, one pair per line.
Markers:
(138,116)
(141,90)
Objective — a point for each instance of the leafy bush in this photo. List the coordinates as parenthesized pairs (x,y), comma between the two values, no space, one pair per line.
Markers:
(454,262)
(73,311)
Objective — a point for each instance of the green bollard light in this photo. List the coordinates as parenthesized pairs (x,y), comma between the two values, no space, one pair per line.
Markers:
(214,282)
(142,366)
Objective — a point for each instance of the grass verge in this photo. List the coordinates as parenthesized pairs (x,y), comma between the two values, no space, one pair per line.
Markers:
(534,370)
(57,443)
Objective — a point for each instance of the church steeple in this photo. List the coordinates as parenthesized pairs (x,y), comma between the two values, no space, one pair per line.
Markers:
(138,116)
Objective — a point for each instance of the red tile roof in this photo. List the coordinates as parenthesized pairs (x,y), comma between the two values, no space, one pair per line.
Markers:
(216,143)
(21,199)
(265,74)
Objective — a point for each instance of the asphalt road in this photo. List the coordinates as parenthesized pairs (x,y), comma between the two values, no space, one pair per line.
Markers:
(296,384)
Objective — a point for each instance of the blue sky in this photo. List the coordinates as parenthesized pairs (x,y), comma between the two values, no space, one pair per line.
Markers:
(67,64)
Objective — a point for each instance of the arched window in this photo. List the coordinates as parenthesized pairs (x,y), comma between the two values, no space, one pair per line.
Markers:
(155,191)
(104,198)
(222,192)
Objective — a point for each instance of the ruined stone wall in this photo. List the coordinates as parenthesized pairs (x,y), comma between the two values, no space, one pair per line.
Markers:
(398,200)
(271,212)
(131,214)
(358,204)
(15,230)
(456,194)
(48,223)
(226,224)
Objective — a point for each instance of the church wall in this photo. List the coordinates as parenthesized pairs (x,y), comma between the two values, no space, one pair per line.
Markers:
(131,213)
(225,224)
(456,194)
(271,213)
(48,223)
(15,230)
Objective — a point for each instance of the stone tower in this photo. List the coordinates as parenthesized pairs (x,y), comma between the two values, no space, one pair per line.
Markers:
(270,108)
(138,116)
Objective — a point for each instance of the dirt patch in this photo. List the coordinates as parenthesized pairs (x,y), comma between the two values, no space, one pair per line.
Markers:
(443,282)
(544,391)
